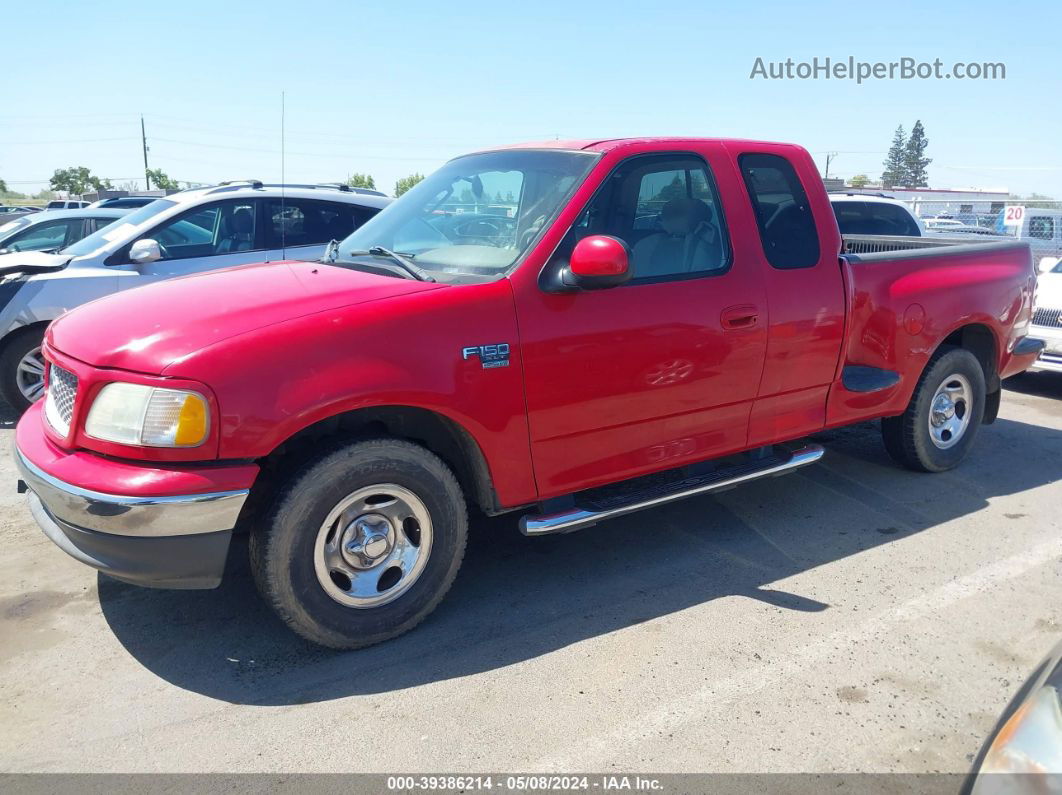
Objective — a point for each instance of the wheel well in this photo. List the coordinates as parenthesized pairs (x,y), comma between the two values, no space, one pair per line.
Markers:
(444,437)
(21,331)
(979,340)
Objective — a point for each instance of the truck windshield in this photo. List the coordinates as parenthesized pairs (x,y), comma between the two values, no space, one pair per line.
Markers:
(477,214)
(120,228)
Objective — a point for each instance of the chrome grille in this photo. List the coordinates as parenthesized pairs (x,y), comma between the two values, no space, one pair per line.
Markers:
(1052,318)
(59,405)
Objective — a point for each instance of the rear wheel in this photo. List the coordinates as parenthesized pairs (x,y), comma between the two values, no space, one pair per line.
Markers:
(362,544)
(941,422)
(22,369)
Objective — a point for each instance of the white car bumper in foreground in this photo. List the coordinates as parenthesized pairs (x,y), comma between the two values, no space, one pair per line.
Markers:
(1051,358)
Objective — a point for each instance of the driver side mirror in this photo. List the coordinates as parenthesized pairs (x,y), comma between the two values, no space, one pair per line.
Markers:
(145,251)
(597,262)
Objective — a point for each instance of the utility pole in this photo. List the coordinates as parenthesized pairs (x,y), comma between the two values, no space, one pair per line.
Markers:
(829,156)
(143,138)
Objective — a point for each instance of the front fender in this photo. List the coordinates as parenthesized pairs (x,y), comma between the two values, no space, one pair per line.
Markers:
(405,351)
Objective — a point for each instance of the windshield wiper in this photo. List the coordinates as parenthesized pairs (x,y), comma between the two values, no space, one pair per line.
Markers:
(405,264)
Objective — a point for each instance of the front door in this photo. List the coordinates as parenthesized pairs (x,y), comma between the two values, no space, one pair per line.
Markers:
(216,235)
(658,372)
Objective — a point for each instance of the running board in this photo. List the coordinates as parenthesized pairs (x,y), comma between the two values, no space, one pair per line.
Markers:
(726,477)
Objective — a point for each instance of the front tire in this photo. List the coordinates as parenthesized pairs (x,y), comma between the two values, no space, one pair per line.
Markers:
(362,544)
(940,423)
(22,369)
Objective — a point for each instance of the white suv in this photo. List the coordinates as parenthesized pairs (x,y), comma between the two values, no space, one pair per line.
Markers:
(187,232)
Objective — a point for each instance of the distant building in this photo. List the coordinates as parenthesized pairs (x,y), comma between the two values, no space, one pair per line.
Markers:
(833,183)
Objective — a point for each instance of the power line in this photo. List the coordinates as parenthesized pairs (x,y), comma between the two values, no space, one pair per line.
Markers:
(346,155)
(63,141)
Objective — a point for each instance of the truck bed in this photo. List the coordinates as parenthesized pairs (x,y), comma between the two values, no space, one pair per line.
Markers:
(900,301)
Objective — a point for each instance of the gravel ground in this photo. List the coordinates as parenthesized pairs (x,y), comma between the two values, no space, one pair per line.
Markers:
(851,617)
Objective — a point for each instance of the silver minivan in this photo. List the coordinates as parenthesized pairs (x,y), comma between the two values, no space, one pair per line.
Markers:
(187,232)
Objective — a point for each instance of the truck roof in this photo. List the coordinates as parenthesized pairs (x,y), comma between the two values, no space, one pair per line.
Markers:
(606,144)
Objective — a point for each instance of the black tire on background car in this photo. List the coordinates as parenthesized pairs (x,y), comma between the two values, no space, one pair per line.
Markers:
(941,422)
(362,543)
(22,369)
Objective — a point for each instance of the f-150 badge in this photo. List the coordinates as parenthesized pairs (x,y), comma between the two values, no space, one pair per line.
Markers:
(496,355)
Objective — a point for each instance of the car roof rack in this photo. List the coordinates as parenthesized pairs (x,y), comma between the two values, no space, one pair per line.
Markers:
(857,192)
(254,183)
(236,184)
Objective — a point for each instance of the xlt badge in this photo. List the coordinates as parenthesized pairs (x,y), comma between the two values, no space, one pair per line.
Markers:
(496,355)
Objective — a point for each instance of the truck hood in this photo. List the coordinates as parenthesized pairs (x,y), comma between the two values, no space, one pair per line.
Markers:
(152,327)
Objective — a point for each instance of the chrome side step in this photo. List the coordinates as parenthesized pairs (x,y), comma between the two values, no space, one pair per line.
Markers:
(578,518)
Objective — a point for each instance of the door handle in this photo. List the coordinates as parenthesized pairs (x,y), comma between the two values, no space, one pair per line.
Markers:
(739,317)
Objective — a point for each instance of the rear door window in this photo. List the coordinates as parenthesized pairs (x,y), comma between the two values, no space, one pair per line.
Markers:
(306,222)
(783,214)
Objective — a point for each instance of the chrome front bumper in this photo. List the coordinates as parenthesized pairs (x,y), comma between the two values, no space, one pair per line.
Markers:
(132,516)
(160,542)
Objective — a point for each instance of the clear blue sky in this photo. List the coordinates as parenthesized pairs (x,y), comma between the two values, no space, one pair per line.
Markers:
(393,87)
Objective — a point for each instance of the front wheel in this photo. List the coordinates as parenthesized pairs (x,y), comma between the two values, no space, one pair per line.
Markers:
(22,369)
(941,422)
(362,544)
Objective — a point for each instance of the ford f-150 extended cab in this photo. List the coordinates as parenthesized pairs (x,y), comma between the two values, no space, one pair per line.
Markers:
(571,331)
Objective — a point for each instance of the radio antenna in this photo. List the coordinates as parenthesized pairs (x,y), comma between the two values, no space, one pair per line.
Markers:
(283,225)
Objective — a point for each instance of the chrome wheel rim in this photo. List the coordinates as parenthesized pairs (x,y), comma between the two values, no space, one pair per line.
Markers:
(373,546)
(29,376)
(950,411)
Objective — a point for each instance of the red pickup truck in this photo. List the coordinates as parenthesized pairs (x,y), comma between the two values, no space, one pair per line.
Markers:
(571,331)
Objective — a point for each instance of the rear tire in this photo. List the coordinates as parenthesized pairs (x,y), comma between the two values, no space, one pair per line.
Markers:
(939,426)
(362,543)
(20,385)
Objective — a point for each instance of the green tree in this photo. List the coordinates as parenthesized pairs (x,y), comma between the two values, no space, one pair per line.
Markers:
(161,180)
(915,160)
(895,172)
(76,180)
(3,186)
(362,181)
(859,181)
(1037,200)
(406,183)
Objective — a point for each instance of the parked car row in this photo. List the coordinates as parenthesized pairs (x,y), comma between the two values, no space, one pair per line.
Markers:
(64,259)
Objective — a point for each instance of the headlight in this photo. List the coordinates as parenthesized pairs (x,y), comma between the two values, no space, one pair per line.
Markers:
(148,416)
(1030,742)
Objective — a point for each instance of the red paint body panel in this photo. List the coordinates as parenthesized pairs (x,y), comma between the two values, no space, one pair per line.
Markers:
(601,385)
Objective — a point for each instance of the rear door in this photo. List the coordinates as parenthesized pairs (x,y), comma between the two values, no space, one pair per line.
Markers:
(799,249)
